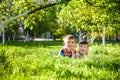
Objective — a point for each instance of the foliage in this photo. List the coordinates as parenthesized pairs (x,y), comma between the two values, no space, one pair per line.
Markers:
(68,18)
(39,60)
(90,16)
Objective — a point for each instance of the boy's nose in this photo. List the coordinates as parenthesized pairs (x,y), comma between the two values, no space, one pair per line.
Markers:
(71,43)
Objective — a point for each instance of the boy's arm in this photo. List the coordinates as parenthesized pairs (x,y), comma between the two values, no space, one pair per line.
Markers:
(61,53)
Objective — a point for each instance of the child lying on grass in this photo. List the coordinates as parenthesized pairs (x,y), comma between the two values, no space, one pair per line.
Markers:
(68,49)
(82,49)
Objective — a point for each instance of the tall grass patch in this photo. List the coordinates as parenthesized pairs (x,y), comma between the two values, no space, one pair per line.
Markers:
(39,61)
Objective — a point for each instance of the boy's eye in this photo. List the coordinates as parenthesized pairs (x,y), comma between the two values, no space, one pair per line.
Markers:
(80,46)
(73,42)
(68,42)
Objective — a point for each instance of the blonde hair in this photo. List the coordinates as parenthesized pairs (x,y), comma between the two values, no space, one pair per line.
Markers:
(68,37)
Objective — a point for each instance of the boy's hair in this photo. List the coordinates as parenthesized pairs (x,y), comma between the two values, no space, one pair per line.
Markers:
(83,42)
(69,37)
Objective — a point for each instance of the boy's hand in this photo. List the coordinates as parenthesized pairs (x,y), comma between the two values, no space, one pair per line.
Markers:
(73,53)
(77,51)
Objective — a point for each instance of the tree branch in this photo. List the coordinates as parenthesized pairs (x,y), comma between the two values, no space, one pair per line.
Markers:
(30,12)
(42,7)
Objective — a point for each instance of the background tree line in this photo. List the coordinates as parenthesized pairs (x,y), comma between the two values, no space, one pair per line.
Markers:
(89,19)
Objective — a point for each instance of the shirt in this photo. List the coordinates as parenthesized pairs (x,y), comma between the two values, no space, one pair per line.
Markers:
(63,52)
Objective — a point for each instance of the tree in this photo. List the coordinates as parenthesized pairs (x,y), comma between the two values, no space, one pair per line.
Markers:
(25,10)
(91,16)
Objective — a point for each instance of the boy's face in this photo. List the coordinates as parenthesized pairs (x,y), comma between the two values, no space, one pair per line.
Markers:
(69,44)
(83,48)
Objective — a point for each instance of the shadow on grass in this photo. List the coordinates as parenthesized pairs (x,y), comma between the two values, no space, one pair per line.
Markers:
(34,43)
(50,43)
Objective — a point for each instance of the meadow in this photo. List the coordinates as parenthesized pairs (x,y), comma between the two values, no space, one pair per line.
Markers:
(39,61)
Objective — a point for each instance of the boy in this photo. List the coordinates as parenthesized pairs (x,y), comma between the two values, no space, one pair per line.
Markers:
(82,49)
(69,47)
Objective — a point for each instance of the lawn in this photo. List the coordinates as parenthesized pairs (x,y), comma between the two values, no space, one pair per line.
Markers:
(39,61)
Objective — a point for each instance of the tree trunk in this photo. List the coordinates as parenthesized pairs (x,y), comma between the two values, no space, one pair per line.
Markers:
(103,35)
(3,36)
(92,38)
(14,35)
(80,36)
(9,38)
(26,37)
(34,36)
(117,35)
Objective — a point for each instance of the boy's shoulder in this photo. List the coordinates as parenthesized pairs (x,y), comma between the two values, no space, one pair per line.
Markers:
(62,49)
(61,52)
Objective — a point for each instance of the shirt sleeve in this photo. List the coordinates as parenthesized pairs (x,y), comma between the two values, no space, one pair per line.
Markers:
(61,53)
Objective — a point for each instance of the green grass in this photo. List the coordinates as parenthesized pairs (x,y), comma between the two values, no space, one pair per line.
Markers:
(34,61)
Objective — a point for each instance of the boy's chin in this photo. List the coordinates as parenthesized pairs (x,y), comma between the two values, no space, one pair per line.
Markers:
(70,48)
(83,52)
